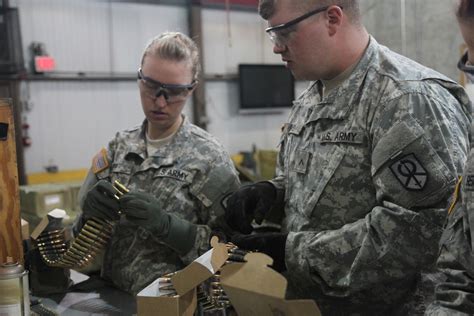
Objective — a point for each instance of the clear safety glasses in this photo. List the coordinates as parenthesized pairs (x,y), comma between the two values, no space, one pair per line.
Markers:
(172,92)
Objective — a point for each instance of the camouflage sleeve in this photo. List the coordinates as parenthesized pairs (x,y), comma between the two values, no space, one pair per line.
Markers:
(92,177)
(90,180)
(209,189)
(279,180)
(419,145)
(456,259)
(456,293)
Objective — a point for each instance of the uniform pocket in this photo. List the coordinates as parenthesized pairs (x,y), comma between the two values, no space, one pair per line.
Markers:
(310,174)
(325,166)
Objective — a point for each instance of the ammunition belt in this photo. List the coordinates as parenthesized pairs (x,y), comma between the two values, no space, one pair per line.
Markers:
(92,238)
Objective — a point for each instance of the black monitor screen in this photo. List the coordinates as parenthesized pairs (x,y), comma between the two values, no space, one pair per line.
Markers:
(265,87)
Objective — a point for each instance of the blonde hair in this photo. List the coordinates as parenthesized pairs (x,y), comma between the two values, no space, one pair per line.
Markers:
(174,46)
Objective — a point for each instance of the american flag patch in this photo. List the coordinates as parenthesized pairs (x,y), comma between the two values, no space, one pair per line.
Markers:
(100,161)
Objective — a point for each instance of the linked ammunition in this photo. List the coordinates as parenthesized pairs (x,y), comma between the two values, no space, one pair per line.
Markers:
(235,258)
(92,230)
(120,187)
(164,280)
(50,242)
(167,287)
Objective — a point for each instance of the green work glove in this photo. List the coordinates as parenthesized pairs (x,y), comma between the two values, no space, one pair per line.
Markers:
(144,210)
(100,202)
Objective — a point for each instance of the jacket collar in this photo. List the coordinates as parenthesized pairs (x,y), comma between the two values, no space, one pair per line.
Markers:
(347,91)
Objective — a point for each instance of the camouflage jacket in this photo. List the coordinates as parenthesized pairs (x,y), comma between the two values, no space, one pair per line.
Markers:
(455,295)
(367,172)
(188,176)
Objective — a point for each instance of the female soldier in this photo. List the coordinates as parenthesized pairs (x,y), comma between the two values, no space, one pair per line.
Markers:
(176,172)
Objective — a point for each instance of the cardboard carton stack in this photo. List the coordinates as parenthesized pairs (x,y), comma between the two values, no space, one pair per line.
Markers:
(253,288)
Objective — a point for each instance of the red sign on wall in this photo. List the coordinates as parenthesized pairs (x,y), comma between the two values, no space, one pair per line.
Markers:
(44,64)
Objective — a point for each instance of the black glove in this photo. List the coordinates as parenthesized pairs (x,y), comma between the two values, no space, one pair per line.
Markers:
(248,203)
(144,210)
(272,244)
(100,202)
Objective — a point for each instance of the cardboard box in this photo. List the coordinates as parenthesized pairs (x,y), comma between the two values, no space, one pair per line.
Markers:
(150,301)
(255,289)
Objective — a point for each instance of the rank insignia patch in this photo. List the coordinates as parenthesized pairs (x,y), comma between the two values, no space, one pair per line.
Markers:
(100,161)
(410,172)
(301,161)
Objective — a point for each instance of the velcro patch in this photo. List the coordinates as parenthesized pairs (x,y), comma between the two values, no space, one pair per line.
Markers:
(100,161)
(410,172)
(179,174)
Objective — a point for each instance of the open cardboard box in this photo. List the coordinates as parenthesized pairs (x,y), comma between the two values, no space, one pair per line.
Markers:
(255,289)
(150,301)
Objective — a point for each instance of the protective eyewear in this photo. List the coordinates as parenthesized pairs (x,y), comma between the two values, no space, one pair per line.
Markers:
(172,92)
(280,34)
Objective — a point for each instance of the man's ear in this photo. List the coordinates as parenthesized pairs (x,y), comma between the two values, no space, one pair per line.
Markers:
(334,16)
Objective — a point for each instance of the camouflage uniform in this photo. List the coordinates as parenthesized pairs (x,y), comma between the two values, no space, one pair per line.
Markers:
(366,173)
(188,176)
(455,295)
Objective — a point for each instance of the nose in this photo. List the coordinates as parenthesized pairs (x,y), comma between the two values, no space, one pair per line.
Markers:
(278,48)
(161,101)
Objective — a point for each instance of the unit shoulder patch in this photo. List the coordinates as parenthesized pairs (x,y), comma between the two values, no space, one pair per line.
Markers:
(410,172)
(100,162)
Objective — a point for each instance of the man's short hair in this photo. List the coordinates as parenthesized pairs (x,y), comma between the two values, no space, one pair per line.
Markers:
(466,10)
(351,8)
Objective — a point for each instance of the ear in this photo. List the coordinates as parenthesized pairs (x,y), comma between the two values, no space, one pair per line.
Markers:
(334,17)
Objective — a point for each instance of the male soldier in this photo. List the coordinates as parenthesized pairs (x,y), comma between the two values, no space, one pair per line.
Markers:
(368,159)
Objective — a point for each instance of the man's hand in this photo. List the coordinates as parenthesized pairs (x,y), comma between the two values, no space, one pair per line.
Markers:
(100,202)
(248,203)
(272,244)
(144,210)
